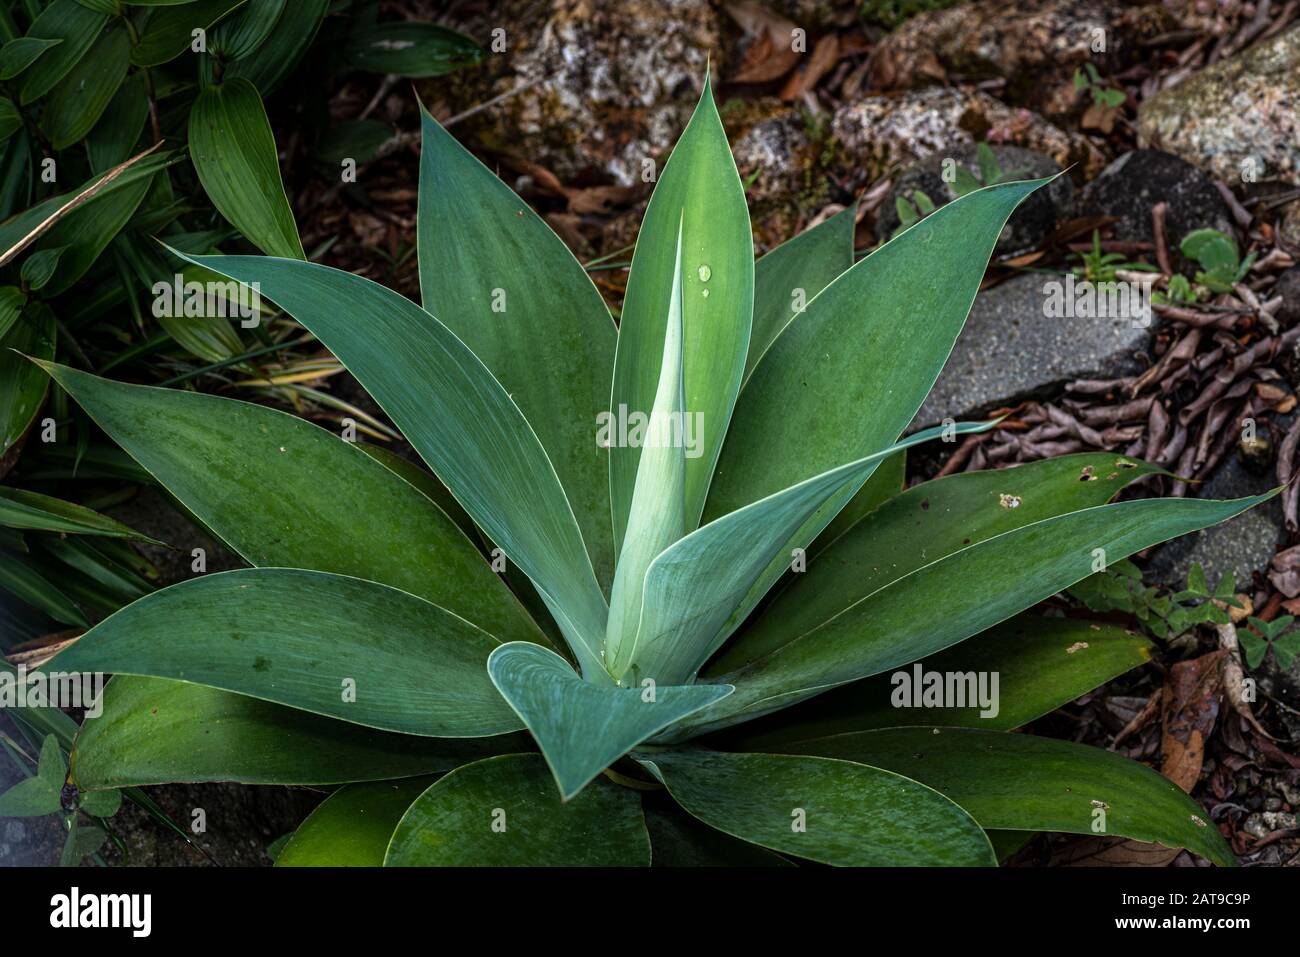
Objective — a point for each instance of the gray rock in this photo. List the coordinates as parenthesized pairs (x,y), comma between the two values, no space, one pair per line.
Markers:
(1129,187)
(1029,225)
(1288,287)
(1236,118)
(1243,545)
(608,85)
(1011,349)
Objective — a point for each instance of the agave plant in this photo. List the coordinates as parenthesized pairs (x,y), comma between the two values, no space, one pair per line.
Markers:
(676,553)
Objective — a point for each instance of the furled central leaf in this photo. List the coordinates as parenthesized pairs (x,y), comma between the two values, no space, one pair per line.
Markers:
(657,518)
(699,190)
(580,727)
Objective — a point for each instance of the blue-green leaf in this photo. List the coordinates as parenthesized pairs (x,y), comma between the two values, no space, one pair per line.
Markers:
(580,727)
(459,418)
(337,646)
(504,812)
(836,812)
(495,274)
(700,193)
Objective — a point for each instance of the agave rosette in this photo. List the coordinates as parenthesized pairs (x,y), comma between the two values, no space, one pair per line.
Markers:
(593,704)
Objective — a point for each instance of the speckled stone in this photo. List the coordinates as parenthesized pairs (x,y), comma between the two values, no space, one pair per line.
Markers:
(614,83)
(878,133)
(1237,115)
(1009,349)
(1032,44)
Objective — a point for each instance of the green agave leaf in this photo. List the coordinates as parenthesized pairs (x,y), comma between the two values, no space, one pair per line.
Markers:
(504,812)
(679,840)
(410,49)
(75,28)
(337,646)
(788,277)
(458,417)
(169,32)
(17,55)
(926,524)
(969,591)
(693,587)
(1006,843)
(22,387)
(349,514)
(1040,664)
(23,509)
(835,812)
(294,32)
(887,369)
(580,727)
(235,156)
(699,193)
(155,731)
(888,480)
(80,98)
(353,826)
(547,336)
(427,483)
(863,355)
(1021,782)
(657,518)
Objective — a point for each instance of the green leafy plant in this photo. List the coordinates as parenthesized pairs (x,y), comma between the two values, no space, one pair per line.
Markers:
(1221,263)
(42,793)
(892,13)
(1097,266)
(912,209)
(1166,615)
(95,99)
(1107,101)
(1088,79)
(917,205)
(991,172)
(1279,635)
(690,598)
(1179,292)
